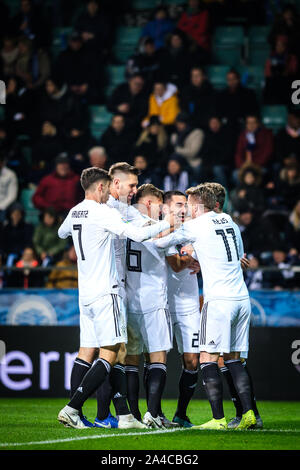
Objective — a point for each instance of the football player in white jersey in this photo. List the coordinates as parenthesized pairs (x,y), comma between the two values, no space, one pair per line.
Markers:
(149,323)
(183,299)
(220,194)
(92,225)
(225,316)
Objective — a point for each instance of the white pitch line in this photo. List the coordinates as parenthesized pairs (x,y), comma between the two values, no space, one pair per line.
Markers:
(145,433)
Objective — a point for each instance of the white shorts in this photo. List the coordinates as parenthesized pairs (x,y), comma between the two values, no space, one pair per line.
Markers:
(224,326)
(186,330)
(103,323)
(149,332)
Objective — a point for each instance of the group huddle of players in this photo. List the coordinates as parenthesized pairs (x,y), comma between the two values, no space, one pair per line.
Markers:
(138,287)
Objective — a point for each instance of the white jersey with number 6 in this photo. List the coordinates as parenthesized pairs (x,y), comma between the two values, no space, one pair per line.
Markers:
(216,241)
(92,226)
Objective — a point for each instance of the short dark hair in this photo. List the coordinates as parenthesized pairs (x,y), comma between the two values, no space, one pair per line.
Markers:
(148,190)
(219,192)
(91,175)
(169,194)
(122,167)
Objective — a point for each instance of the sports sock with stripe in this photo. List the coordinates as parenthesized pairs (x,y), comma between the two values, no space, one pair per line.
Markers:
(145,378)
(213,385)
(241,382)
(79,369)
(253,399)
(156,383)
(104,395)
(133,388)
(187,385)
(232,390)
(119,389)
(91,381)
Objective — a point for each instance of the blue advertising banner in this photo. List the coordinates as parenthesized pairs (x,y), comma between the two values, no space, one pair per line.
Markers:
(60,307)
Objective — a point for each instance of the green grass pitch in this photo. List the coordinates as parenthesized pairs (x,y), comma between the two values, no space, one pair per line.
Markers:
(32,424)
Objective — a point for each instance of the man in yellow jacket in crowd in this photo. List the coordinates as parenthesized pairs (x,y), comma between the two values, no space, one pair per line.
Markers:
(163,102)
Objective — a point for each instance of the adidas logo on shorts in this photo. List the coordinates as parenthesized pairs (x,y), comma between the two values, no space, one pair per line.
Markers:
(212,343)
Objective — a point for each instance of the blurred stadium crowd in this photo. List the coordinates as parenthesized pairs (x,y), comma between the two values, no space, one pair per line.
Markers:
(188,92)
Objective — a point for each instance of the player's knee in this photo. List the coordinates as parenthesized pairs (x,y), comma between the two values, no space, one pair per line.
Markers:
(191,361)
(121,358)
(132,360)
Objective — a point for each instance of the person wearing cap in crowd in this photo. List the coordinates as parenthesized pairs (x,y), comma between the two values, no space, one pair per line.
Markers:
(187,141)
(59,189)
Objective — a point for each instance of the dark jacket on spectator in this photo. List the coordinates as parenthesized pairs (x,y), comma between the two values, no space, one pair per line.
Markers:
(118,146)
(16,238)
(286,145)
(56,192)
(99,25)
(199,102)
(218,148)
(235,106)
(138,104)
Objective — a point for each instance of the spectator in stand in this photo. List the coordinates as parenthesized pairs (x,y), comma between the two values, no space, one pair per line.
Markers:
(8,187)
(77,142)
(176,60)
(198,98)
(159,27)
(9,56)
(287,24)
(27,277)
(153,142)
(176,179)
(130,99)
(46,148)
(18,109)
(217,152)
(283,278)
(46,243)
(30,23)
(289,185)
(280,70)
(17,234)
(287,140)
(253,275)
(33,66)
(248,191)
(58,189)
(66,278)
(58,105)
(98,158)
(81,70)
(235,102)
(194,22)
(146,63)
(146,175)
(94,27)
(118,140)
(163,102)
(187,141)
(255,144)
(294,217)
(257,233)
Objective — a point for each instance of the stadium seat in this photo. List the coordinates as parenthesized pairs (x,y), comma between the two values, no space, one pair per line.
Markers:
(227,44)
(127,39)
(252,76)
(14,6)
(31,213)
(229,35)
(115,76)
(274,117)
(60,40)
(99,120)
(140,5)
(217,75)
(259,49)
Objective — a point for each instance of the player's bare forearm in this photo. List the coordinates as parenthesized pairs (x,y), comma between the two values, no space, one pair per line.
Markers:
(245,263)
(178,263)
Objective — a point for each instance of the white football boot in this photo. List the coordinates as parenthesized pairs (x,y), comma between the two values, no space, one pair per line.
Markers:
(70,418)
(129,422)
(150,422)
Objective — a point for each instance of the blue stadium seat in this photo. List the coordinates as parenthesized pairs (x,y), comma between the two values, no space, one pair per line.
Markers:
(100,119)
(217,75)
(252,76)
(140,5)
(258,34)
(127,39)
(227,44)
(259,49)
(274,117)
(31,213)
(60,40)
(227,55)
(115,76)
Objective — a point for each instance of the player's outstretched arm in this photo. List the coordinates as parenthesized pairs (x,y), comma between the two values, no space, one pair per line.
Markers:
(64,230)
(183,235)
